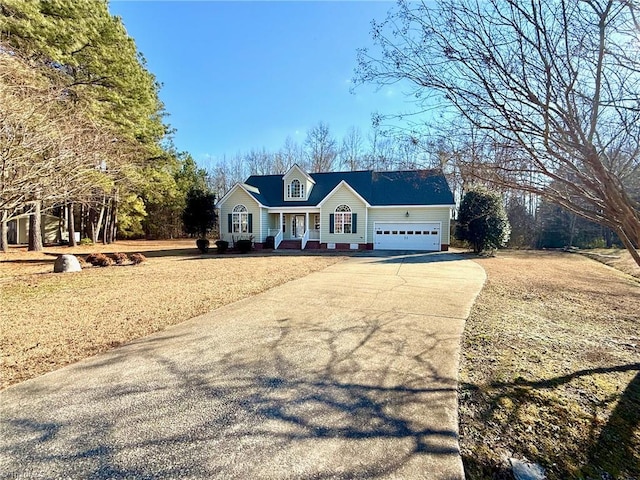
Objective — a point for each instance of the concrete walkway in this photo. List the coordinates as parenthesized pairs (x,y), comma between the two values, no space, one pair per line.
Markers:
(347,373)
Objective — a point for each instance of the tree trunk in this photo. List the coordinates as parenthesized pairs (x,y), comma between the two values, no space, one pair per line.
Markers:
(35,228)
(629,245)
(91,226)
(114,223)
(114,219)
(71,228)
(608,237)
(82,221)
(98,224)
(106,230)
(4,240)
(95,223)
(61,223)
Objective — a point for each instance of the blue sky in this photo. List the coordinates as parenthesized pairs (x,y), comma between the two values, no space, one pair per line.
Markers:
(243,75)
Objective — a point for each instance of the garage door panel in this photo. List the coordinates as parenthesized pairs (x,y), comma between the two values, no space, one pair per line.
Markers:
(407,236)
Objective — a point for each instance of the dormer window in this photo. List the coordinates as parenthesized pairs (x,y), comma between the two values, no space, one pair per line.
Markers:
(295,189)
(297,185)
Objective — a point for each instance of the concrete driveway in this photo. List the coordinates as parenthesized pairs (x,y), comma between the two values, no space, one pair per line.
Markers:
(347,373)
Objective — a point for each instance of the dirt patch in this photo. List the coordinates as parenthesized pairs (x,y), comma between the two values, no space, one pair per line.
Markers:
(550,369)
(50,320)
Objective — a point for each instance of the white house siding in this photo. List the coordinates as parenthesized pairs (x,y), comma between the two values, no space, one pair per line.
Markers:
(264,226)
(416,214)
(343,196)
(240,197)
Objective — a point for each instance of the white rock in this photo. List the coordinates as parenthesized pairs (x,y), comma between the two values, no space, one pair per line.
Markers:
(66,263)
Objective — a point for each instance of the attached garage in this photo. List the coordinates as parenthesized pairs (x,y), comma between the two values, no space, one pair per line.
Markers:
(407,236)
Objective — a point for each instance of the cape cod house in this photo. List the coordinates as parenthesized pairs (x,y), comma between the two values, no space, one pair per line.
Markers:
(397,210)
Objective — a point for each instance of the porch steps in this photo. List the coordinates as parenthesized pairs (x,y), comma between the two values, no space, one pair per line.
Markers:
(290,245)
(297,245)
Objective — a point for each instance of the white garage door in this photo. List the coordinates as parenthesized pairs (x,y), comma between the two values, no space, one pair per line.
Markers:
(406,236)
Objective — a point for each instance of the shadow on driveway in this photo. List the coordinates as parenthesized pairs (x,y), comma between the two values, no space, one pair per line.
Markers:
(256,411)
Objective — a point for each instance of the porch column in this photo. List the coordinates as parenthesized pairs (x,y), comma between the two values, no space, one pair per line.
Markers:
(280,225)
(306,221)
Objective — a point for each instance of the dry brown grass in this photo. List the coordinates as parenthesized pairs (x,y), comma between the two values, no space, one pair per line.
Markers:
(50,320)
(550,369)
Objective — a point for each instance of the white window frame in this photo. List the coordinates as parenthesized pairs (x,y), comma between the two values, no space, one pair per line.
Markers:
(240,219)
(342,219)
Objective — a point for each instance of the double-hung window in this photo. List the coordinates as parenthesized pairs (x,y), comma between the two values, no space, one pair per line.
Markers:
(342,219)
(240,219)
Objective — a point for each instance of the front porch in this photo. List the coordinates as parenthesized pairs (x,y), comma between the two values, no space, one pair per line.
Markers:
(295,230)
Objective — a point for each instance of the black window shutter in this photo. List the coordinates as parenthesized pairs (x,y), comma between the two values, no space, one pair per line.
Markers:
(354,223)
(230,223)
(250,222)
(331,223)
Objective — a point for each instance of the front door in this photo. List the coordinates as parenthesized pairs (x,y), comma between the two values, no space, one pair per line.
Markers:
(297,226)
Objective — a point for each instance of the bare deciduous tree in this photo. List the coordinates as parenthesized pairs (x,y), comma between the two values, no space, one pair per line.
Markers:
(320,148)
(554,85)
(49,148)
(351,152)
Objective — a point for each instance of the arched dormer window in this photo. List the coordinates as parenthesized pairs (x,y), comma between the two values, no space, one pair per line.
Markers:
(240,219)
(342,219)
(295,189)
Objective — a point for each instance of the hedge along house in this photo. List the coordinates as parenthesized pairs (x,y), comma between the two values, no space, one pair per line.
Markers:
(399,210)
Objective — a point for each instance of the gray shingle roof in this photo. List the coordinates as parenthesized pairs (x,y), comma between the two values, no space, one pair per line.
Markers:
(411,187)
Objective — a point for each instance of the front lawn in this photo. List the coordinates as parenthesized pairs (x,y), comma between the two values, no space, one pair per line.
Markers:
(50,320)
(550,369)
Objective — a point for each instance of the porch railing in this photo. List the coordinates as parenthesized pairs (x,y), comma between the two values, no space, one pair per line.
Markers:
(305,239)
(277,239)
(314,234)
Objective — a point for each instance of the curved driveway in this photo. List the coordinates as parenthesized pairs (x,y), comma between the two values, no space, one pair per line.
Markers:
(346,373)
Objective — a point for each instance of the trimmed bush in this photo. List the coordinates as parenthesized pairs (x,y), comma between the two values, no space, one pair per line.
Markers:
(243,245)
(203,245)
(92,257)
(99,260)
(137,258)
(120,258)
(222,246)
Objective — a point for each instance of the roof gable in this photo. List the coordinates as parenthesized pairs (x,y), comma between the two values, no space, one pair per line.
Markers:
(252,191)
(295,168)
(348,187)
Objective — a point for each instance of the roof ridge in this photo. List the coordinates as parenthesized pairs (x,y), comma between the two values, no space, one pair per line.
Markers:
(432,169)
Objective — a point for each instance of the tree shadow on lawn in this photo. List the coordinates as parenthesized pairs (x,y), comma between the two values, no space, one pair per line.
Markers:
(305,400)
(613,450)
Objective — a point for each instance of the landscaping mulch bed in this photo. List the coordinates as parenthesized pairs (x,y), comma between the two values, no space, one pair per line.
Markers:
(50,320)
(550,369)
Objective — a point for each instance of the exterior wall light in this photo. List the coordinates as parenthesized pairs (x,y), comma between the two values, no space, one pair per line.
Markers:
(406,214)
